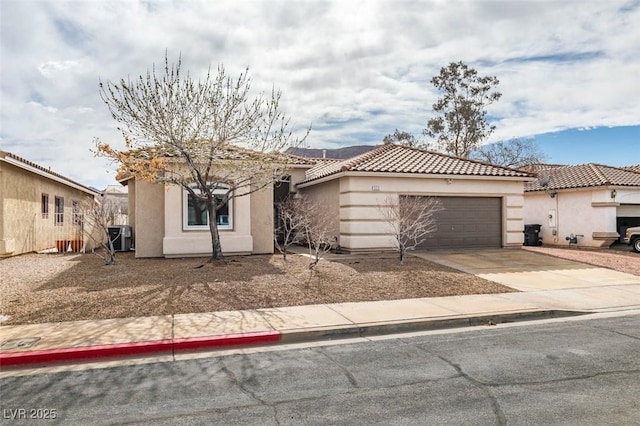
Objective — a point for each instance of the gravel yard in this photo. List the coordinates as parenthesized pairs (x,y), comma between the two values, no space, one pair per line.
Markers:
(39,288)
(618,260)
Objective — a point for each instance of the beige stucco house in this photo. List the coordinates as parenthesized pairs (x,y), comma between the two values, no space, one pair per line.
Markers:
(484,205)
(39,208)
(592,201)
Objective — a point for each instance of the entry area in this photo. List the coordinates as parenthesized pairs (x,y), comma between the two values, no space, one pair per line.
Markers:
(467,222)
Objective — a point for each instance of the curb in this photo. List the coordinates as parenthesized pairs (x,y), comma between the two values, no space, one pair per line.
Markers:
(169,346)
(135,348)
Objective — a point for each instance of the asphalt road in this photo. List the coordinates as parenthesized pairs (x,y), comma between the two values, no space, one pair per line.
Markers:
(583,372)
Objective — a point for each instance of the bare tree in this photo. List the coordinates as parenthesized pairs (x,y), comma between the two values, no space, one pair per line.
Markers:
(97,218)
(318,230)
(512,153)
(411,220)
(291,223)
(461,122)
(211,136)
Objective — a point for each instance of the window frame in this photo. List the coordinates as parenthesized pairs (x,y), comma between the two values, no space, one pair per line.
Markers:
(44,205)
(76,212)
(220,190)
(58,216)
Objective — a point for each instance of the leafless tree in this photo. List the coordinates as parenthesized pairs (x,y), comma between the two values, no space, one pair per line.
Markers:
(411,219)
(291,223)
(318,230)
(209,136)
(97,218)
(512,153)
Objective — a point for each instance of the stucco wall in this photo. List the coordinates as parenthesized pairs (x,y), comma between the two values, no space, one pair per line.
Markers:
(179,242)
(23,228)
(588,212)
(148,218)
(328,196)
(262,221)
(362,226)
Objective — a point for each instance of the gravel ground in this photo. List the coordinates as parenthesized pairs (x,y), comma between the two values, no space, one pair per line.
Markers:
(39,288)
(618,260)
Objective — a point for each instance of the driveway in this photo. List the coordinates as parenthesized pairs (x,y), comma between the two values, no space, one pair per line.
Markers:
(549,281)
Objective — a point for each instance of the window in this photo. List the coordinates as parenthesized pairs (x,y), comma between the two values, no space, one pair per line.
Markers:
(59,204)
(196,216)
(77,214)
(45,205)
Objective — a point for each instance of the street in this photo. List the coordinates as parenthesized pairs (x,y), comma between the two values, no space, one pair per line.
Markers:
(578,372)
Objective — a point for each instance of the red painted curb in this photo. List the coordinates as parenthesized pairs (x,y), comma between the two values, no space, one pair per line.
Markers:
(135,348)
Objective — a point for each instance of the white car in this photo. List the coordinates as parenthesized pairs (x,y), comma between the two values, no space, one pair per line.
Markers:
(632,236)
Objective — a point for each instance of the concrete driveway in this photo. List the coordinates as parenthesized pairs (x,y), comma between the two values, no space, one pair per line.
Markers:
(548,281)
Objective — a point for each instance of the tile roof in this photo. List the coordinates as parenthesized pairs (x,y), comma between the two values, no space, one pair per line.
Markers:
(221,152)
(392,158)
(635,168)
(43,171)
(583,176)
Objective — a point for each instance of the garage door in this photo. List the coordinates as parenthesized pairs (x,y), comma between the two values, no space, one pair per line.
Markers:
(467,222)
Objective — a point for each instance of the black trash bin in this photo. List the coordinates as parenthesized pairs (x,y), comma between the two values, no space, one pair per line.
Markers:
(532,235)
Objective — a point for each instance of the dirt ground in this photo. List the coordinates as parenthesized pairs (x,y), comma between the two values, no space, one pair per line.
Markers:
(39,288)
(618,260)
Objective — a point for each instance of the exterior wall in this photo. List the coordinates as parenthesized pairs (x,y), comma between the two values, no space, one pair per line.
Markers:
(362,226)
(148,219)
(328,195)
(262,221)
(23,228)
(178,242)
(590,213)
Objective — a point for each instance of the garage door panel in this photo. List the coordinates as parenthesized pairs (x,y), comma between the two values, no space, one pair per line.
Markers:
(467,222)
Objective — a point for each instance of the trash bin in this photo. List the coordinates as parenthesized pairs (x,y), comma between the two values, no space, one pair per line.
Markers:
(532,235)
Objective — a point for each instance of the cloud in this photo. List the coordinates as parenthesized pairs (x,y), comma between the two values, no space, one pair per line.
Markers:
(355,70)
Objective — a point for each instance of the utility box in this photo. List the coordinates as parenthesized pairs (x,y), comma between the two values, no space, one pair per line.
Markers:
(121,237)
(532,235)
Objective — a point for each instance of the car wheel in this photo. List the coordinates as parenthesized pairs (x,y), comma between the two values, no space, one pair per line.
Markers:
(636,245)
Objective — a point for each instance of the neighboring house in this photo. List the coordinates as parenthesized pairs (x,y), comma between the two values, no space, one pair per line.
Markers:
(338,153)
(484,204)
(117,198)
(39,209)
(593,201)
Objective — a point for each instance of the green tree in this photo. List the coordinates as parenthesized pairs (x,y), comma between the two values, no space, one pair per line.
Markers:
(210,136)
(460,123)
(403,138)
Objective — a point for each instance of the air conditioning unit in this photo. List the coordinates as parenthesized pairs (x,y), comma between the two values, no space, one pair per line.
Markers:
(121,237)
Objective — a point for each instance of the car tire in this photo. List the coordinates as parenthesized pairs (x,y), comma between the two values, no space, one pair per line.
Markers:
(636,245)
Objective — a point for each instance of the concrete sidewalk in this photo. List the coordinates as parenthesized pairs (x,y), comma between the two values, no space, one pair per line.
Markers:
(548,287)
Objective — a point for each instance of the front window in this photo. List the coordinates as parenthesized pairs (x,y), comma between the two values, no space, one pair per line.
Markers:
(59,205)
(196,216)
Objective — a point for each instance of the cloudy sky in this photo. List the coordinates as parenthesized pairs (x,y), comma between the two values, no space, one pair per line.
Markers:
(569,71)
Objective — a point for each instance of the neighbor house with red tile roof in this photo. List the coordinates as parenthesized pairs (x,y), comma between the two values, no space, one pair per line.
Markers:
(592,201)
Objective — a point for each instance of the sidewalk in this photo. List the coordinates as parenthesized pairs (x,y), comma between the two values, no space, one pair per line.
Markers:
(566,289)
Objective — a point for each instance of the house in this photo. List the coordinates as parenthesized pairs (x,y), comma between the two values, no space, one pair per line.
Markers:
(116,197)
(165,224)
(484,204)
(591,201)
(39,208)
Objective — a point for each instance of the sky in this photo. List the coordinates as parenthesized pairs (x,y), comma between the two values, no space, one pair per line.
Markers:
(354,71)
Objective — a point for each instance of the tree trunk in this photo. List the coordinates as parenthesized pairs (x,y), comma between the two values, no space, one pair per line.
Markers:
(216,248)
